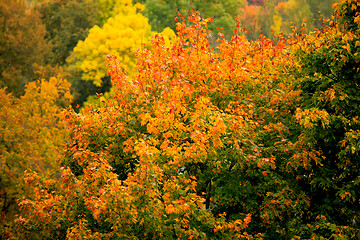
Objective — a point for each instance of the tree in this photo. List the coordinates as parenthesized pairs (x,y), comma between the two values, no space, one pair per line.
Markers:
(249,19)
(31,137)
(266,17)
(330,82)
(161,14)
(258,139)
(292,14)
(67,22)
(122,35)
(22,45)
(140,189)
(186,134)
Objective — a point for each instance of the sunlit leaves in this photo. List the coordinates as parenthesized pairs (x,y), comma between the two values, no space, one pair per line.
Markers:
(307,117)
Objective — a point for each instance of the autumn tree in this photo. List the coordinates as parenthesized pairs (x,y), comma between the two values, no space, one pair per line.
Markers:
(256,139)
(31,137)
(179,151)
(22,45)
(144,185)
(121,35)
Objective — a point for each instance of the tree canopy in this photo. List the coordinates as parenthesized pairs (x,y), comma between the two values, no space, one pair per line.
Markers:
(258,139)
(203,135)
(22,45)
(31,138)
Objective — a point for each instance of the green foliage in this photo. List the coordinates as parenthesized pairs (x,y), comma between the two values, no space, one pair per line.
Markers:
(161,14)
(67,22)
(348,11)
(329,66)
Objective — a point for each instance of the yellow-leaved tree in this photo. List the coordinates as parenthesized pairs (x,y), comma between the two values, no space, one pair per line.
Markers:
(121,35)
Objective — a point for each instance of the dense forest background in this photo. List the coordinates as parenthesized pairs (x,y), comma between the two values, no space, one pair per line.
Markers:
(179,119)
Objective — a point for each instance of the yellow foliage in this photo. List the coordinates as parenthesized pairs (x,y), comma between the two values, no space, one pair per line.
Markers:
(31,134)
(122,36)
(277,23)
(308,117)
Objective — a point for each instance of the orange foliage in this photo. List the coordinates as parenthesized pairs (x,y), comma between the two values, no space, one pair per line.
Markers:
(31,136)
(202,143)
